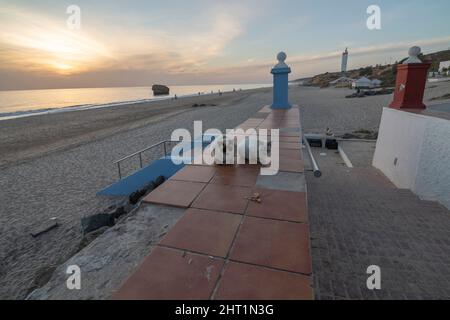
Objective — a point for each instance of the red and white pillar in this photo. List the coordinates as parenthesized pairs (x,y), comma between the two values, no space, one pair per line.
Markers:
(411,80)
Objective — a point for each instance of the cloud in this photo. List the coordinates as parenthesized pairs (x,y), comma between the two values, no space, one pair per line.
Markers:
(36,42)
(381,49)
(33,42)
(374,49)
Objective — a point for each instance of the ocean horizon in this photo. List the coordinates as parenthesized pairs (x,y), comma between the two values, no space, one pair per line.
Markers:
(22,103)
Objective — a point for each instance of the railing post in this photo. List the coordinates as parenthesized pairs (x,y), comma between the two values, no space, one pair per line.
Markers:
(120,173)
(140,159)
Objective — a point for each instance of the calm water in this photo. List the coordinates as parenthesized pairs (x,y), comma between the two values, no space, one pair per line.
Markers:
(25,102)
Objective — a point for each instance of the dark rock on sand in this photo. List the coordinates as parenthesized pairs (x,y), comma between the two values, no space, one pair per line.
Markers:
(91,236)
(120,211)
(159,181)
(150,186)
(96,221)
(44,228)
(134,197)
(195,105)
(159,89)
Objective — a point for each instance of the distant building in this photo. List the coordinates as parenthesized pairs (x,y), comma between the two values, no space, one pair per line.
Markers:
(444,65)
(376,83)
(344,61)
(362,83)
(342,82)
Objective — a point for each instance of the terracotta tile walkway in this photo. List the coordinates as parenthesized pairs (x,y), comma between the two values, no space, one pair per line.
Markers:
(176,193)
(236,240)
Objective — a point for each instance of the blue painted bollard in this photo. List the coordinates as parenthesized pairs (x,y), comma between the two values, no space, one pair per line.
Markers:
(281,83)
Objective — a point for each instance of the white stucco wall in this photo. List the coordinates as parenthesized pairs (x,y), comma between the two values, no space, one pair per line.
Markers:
(421,145)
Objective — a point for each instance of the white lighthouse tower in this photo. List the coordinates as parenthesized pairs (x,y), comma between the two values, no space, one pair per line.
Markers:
(344,61)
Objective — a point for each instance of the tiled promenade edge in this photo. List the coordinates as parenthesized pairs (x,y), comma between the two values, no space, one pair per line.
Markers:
(228,244)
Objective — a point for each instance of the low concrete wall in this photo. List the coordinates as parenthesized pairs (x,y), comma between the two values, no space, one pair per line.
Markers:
(413,151)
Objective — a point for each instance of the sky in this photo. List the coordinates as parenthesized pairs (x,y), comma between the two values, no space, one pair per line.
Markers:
(139,43)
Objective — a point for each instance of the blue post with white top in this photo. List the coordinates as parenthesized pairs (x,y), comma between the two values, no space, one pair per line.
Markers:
(281,83)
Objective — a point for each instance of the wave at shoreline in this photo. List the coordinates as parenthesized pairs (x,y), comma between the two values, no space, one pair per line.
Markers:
(48,110)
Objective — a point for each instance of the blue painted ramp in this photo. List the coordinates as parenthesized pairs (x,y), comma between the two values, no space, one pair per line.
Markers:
(161,167)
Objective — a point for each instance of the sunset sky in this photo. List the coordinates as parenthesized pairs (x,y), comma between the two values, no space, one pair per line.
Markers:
(138,43)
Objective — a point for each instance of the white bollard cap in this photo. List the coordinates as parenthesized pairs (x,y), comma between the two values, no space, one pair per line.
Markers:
(413,53)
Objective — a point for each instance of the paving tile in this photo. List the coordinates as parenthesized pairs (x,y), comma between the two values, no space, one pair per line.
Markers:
(288,181)
(175,193)
(260,115)
(265,109)
(168,274)
(239,175)
(290,145)
(223,198)
(281,205)
(246,282)
(291,165)
(290,139)
(204,159)
(195,174)
(271,243)
(289,131)
(246,126)
(289,124)
(290,154)
(269,126)
(289,134)
(285,113)
(202,231)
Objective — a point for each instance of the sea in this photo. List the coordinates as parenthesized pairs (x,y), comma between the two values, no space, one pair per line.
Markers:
(24,103)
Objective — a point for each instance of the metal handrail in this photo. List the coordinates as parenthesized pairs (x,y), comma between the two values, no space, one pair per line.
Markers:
(118,162)
(317,172)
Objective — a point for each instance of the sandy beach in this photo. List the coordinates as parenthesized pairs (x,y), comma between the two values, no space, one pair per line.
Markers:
(53,165)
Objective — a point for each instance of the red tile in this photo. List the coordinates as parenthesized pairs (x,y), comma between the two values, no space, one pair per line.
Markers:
(175,193)
(246,282)
(290,145)
(195,174)
(290,154)
(271,243)
(223,198)
(202,231)
(239,175)
(281,205)
(290,134)
(289,139)
(168,274)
